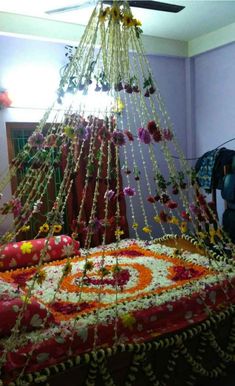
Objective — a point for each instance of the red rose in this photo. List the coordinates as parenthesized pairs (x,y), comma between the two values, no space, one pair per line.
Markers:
(152,127)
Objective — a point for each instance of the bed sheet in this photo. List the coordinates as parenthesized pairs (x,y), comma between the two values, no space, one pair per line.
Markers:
(158,290)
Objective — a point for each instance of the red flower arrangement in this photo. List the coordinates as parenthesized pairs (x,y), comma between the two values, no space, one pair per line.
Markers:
(5,101)
(119,278)
(183,273)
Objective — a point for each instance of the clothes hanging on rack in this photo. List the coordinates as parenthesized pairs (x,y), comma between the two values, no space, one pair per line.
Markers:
(210,168)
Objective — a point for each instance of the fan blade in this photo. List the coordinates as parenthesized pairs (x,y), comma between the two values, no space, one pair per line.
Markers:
(85,3)
(154,5)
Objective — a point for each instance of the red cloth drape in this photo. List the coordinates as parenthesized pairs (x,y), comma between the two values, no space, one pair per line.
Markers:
(77,191)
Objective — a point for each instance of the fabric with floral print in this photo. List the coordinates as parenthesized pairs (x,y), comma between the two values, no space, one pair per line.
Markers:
(27,253)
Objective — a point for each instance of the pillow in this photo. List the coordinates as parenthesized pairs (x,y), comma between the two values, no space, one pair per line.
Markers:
(35,315)
(27,253)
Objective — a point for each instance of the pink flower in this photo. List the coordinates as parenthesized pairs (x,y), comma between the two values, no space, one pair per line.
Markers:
(118,138)
(167,134)
(128,191)
(36,140)
(109,194)
(129,135)
(144,135)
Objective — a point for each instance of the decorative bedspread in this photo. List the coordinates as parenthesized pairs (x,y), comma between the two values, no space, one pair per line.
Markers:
(159,290)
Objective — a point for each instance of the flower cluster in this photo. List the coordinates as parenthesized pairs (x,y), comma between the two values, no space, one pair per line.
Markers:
(154,132)
(184,273)
(125,17)
(163,199)
(56,228)
(120,277)
(159,134)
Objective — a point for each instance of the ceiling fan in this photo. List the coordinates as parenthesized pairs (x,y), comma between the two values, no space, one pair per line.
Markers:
(153,5)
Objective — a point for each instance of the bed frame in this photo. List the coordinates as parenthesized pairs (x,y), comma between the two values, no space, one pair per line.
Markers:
(193,355)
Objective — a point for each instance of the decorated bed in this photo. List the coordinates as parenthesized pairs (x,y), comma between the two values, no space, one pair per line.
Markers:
(114,268)
(156,292)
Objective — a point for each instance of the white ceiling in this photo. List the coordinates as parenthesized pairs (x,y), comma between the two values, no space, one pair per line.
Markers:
(198,18)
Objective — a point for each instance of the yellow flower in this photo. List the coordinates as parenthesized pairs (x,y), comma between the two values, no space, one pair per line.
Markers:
(137,23)
(183,227)
(40,277)
(25,228)
(128,320)
(173,220)
(44,228)
(146,229)
(202,235)
(212,233)
(103,14)
(115,12)
(135,225)
(157,219)
(118,105)
(26,247)
(69,131)
(119,232)
(128,20)
(57,228)
(8,237)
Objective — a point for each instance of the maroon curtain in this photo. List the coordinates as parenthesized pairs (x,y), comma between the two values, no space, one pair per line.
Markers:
(77,191)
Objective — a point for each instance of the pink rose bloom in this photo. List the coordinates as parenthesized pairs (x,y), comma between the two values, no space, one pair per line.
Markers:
(128,191)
